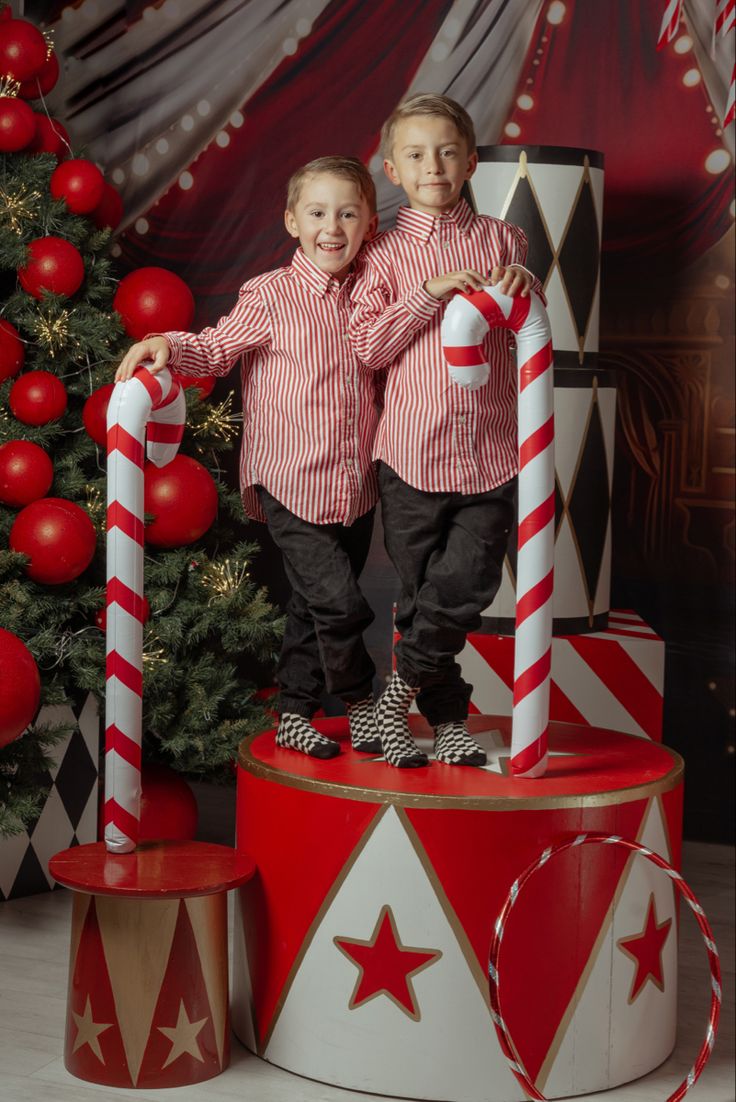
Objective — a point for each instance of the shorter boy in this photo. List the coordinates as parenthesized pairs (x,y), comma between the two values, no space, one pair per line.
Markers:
(448,456)
(309,416)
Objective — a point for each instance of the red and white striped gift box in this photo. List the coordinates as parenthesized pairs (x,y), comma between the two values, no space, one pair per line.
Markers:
(612,678)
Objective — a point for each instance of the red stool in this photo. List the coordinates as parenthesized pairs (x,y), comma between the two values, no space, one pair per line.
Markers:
(147,1004)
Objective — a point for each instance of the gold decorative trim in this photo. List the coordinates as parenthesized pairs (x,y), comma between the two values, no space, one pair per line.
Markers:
(608,798)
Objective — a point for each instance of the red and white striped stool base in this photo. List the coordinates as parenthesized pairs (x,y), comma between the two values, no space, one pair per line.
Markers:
(361,948)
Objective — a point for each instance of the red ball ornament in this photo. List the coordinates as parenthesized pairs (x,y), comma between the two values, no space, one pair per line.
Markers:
(43,81)
(50,137)
(17,124)
(26,473)
(6,12)
(94,413)
(20,687)
(101,614)
(79,183)
(108,213)
(205,384)
(53,265)
(153,300)
(22,49)
(168,805)
(58,536)
(182,496)
(37,398)
(12,350)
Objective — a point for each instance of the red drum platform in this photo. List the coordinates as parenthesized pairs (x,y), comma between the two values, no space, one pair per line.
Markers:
(361,944)
(148,967)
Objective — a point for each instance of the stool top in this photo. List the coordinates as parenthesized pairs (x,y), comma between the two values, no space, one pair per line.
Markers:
(155,870)
(588,767)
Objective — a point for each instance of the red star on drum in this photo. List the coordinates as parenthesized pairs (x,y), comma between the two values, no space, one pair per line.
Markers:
(646,950)
(385,966)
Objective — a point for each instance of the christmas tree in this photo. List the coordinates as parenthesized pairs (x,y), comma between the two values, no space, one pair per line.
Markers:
(64,323)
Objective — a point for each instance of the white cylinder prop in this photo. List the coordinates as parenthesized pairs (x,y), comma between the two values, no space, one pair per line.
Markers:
(145,417)
(466,322)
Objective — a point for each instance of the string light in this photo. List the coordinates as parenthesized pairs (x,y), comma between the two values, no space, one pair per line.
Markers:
(9,87)
(223,580)
(52,333)
(153,653)
(220,421)
(18,207)
(49,36)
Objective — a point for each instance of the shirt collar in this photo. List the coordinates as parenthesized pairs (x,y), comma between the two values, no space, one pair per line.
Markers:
(417,223)
(318,282)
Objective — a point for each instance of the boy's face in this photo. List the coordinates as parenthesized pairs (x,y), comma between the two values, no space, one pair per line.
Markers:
(332,220)
(430,161)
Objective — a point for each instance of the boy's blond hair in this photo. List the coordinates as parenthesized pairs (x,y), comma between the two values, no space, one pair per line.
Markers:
(345,168)
(432,105)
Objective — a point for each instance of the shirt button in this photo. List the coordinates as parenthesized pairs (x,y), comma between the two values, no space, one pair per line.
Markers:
(462,419)
(447,245)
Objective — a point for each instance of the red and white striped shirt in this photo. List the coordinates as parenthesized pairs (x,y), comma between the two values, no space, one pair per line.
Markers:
(309,413)
(435,435)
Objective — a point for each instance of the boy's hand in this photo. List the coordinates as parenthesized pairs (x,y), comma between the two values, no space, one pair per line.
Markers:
(152,348)
(465,281)
(511,281)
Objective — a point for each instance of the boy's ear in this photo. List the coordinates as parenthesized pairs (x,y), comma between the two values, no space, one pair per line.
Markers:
(290,223)
(391,172)
(472,164)
(370,233)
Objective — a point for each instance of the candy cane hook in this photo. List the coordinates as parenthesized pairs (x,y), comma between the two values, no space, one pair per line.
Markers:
(145,417)
(466,323)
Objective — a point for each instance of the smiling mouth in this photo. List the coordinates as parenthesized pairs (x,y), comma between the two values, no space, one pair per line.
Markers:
(330,248)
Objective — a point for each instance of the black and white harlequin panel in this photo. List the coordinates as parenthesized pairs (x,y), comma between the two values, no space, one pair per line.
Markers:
(555,194)
(69,815)
(585,416)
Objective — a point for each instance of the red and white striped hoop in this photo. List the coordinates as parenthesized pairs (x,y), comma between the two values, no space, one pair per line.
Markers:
(504,1038)
(467,320)
(145,417)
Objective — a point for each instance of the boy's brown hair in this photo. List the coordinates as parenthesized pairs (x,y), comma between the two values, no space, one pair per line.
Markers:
(345,168)
(428,104)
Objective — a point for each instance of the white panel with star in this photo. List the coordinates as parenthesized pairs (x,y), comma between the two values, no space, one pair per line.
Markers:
(378,1046)
(614,1025)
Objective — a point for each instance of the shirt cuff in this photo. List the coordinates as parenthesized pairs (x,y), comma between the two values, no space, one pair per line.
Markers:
(175,351)
(421,304)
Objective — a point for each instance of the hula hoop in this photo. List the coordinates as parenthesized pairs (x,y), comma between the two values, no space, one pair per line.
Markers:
(498,930)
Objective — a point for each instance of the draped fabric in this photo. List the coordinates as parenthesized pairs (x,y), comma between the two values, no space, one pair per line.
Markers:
(200,109)
(614,92)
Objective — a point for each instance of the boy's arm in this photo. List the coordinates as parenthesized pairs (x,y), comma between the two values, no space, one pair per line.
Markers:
(382,325)
(211,352)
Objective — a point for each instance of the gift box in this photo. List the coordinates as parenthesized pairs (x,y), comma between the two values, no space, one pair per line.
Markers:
(612,678)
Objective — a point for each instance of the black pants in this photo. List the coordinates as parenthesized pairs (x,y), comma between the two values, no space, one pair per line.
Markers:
(448,551)
(326,614)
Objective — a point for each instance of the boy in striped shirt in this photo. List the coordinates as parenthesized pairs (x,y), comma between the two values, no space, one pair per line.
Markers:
(309,417)
(448,455)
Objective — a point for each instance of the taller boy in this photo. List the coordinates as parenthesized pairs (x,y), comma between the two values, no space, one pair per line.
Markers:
(448,456)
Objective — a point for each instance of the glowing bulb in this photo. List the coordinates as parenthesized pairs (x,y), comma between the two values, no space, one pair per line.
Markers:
(187,122)
(223,139)
(525,102)
(683,44)
(141,225)
(162,146)
(556,12)
(717,161)
(186,180)
(512,129)
(237,119)
(691,78)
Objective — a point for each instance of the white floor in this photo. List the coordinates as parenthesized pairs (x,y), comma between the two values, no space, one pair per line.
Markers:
(33,975)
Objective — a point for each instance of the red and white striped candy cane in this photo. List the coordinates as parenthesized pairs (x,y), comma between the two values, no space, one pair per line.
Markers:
(145,417)
(465,325)
(502,1032)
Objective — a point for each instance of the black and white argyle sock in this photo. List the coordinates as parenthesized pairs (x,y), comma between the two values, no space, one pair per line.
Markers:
(454,746)
(364,734)
(392,710)
(297,733)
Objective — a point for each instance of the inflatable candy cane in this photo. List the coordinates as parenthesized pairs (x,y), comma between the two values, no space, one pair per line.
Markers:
(145,408)
(465,325)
